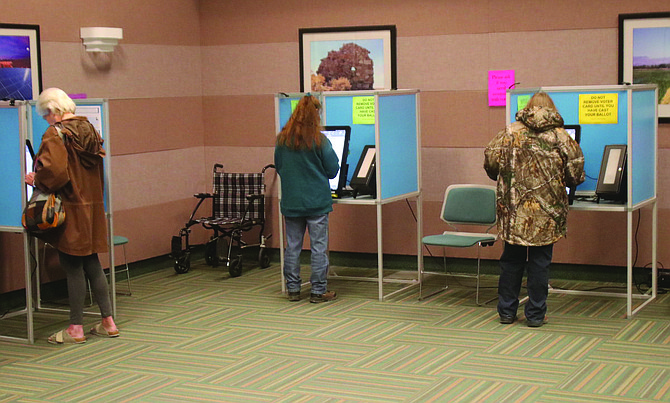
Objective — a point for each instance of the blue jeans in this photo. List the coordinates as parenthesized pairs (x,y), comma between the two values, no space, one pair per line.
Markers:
(534,259)
(318,235)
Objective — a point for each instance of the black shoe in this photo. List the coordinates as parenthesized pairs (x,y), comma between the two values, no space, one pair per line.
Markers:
(325,297)
(536,323)
(294,296)
(507,319)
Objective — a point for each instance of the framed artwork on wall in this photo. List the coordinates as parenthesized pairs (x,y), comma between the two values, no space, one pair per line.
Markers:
(20,64)
(348,58)
(644,54)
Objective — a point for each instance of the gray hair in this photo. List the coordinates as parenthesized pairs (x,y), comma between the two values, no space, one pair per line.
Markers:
(56,101)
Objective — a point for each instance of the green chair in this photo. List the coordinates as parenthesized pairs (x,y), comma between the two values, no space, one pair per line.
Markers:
(122,241)
(118,241)
(464,205)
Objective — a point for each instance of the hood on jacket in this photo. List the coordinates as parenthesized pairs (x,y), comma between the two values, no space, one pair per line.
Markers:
(85,140)
(540,118)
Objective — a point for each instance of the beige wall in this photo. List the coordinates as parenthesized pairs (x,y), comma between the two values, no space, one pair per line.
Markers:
(445,49)
(192,83)
(154,83)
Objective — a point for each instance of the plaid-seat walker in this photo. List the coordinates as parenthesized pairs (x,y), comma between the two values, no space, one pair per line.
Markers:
(238,205)
(236,198)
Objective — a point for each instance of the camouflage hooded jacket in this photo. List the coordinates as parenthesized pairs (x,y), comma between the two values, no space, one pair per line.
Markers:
(533,160)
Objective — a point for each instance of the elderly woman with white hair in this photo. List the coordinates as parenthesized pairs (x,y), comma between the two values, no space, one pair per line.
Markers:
(70,161)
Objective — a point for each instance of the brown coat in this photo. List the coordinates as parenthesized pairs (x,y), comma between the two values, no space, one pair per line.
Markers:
(73,167)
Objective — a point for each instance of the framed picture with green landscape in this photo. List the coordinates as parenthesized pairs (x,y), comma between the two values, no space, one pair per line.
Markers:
(644,54)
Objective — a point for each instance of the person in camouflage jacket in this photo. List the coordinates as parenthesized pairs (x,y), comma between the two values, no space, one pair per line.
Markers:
(532,160)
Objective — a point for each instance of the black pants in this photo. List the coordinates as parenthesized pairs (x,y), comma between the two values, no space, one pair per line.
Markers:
(77,270)
(514,260)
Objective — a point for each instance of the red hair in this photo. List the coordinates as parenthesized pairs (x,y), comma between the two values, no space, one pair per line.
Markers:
(303,129)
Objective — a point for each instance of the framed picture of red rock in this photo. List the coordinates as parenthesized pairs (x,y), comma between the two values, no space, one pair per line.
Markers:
(348,58)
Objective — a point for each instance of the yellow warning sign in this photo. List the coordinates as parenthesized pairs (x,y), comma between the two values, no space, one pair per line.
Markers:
(598,108)
(364,110)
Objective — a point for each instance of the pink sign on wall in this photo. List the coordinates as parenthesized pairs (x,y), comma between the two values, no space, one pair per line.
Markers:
(499,82)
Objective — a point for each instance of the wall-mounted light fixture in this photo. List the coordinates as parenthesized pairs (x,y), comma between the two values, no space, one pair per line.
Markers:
(101,39)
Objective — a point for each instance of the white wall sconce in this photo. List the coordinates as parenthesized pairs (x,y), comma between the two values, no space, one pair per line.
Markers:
(101,39)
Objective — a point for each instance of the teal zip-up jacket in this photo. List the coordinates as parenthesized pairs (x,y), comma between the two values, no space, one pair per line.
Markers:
(305,191)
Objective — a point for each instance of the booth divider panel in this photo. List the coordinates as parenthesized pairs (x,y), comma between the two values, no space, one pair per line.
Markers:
(11,181)
(644,146)
(397,119)
(339,112)
(39,126)
(398,145)
(285,111)
(594,137)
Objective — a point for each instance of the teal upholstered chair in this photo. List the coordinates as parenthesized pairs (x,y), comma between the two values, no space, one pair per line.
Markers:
(465,205)
(122,241)
(118,241)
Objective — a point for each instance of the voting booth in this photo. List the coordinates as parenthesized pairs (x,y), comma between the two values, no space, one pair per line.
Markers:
(622,118)
(19,121)
(388,122)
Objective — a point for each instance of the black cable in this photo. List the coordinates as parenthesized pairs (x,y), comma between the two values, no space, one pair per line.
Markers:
(416,220)
(410,209)
(6,312)
(637,229)
(606,287)
(33,270)
(638,284)
(658,263)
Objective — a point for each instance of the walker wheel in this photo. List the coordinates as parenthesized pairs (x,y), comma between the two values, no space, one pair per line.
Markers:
(183,264)
(235,268)
(211,253)
(263,258)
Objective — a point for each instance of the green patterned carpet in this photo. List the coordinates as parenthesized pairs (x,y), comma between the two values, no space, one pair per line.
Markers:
(202,336)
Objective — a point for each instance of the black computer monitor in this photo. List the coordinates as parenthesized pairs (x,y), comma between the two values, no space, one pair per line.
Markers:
(339,137)
(364,178)
(612,181)
(575,131)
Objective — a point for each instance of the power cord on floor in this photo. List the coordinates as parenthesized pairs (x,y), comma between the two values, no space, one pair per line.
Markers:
(636,270)
(33,268)
(416,220)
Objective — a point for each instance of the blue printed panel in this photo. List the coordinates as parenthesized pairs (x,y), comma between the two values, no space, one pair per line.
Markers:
(594,136)
(398,136)
(644,145)
(398,145)
(11,180)
(339,112)
(285,110)
(39,126)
